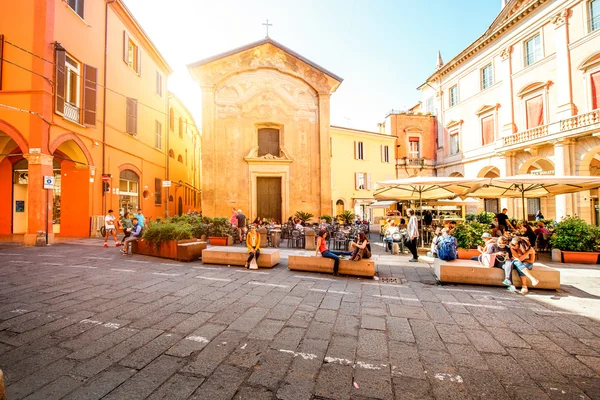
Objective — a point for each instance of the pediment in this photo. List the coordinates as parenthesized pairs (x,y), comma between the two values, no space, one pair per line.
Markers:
(532,87)
(253,158)
(453,123)
(512,8)
(486,108)
(590,62)
(264,54)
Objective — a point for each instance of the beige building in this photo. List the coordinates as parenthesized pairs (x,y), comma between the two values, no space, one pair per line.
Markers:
(265,132)
(358,160)
(524,99)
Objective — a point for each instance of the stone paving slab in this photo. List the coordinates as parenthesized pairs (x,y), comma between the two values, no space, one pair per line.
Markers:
(89,323)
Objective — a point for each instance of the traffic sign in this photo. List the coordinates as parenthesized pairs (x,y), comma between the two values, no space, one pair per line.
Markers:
(166,183)
(48,182)
(105,178)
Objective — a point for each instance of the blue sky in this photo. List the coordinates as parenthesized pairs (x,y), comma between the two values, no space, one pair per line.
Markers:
(382,49)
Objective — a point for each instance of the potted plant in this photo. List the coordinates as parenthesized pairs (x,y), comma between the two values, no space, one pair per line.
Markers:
(577,240)
(160,239)
(303,216)
(219,231)
(346,217)
(468,236)
(327,218)
(485,217)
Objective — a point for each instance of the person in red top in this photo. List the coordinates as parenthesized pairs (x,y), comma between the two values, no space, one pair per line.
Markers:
(325,252)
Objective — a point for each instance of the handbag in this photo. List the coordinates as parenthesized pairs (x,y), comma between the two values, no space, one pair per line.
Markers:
(396,237)
(487,260)
(253,264)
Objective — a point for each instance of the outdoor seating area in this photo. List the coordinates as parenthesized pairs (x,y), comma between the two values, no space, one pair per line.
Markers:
(473,273)
(364,267)
(238,256)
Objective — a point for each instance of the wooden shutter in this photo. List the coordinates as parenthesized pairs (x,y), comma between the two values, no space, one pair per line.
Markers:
(535,112)
(595,78)
(157,191)
(356,152)
(368,182)
(125,47)
(90,85)
(59,89)
(131,124)
(139,61)
(80,8)
(159,83)
(356,183)
(487,129)
(382,153)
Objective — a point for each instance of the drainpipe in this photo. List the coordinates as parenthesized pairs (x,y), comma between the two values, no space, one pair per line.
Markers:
(168,130)
(104,99)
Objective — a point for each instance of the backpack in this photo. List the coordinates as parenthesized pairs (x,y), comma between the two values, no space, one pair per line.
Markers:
(447,248)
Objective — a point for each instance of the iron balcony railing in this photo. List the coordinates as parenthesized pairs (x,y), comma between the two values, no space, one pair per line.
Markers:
(416,162)
(72,113)
(579,121)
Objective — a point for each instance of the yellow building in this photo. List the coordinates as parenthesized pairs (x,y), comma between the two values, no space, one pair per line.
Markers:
(358,160)
(183,163)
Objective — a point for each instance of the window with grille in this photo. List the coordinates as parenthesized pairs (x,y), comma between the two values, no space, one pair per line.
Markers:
(454,95)
(594,15)
(487,77)
(533,50)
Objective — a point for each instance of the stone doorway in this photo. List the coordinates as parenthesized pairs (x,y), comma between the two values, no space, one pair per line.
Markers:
(268,198)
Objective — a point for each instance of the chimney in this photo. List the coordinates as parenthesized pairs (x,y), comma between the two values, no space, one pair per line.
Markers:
(440,62)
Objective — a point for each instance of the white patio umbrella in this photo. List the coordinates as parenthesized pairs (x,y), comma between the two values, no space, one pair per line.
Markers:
(425,188)
(528,186)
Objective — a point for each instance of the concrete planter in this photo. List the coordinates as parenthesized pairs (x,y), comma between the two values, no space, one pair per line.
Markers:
(218,240)
(466,254)
(166,249)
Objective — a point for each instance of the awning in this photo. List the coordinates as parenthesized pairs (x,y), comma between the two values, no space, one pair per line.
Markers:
(363,200)
(382,204)
(454,202)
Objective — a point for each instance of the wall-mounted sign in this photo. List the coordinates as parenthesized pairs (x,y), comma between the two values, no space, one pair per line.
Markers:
(48,182)
(166,183)
(35,150)
(20,206)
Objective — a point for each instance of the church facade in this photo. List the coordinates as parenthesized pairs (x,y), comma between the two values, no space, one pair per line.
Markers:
(266,141)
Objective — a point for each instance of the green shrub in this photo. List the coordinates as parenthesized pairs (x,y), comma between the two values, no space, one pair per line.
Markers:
(220,227)
(347,217)
(327,218)
(486,217)
(574,234)
(468,234)
(158,232)
(470,217)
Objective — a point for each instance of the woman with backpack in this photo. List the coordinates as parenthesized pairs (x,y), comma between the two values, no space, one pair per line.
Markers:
(447,247)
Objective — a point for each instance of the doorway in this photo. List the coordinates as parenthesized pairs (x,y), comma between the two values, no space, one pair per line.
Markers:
(268,198)
(180,206)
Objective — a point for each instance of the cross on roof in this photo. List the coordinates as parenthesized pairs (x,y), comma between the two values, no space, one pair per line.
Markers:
(267,24)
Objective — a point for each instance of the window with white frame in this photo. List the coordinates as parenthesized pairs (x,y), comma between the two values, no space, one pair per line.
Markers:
(594,9)
(385,154)
(359,150)
(73,81)
(533,50)
(429,105)
(363,181)
(454,143)
(77,6)
(487,76)
(454,95)
(414,148)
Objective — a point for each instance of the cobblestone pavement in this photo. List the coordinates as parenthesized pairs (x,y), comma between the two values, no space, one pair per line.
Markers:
(78,321)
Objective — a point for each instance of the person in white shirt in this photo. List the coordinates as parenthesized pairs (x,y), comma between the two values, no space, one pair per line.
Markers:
(413,234)
(111,228)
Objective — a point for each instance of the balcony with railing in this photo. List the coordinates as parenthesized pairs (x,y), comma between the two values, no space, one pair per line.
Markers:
(573,126)
(72,113)
(416,162)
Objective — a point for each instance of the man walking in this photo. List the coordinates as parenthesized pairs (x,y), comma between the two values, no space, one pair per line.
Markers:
(135,234)
(241,224)
(110,228)
(503,219)
(413,234)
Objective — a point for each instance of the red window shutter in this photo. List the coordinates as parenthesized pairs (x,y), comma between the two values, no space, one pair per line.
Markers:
(125,47)
(595,90)
(413,139)
(59,90)
(535,112)
(90,79)
(487,129)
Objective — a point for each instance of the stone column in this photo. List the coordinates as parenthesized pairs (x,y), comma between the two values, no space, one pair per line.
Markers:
(505,161)
(39,207)
(506,124)
(562,167)
(325,153)
(209,151)
(564,94)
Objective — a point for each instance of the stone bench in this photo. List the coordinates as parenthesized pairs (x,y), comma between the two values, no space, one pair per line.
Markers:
(312,263)
(238,256)
(473,273)
(190,251)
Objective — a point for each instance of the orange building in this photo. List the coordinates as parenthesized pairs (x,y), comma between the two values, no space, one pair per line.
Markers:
(183,166)
(415,134)
(83,98)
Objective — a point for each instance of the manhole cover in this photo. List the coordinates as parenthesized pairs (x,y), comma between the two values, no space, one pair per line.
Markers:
(390,280)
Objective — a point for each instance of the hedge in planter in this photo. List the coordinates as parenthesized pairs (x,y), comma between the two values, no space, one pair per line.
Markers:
(219,230)
(161,238)
(468,236)
(578,240)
